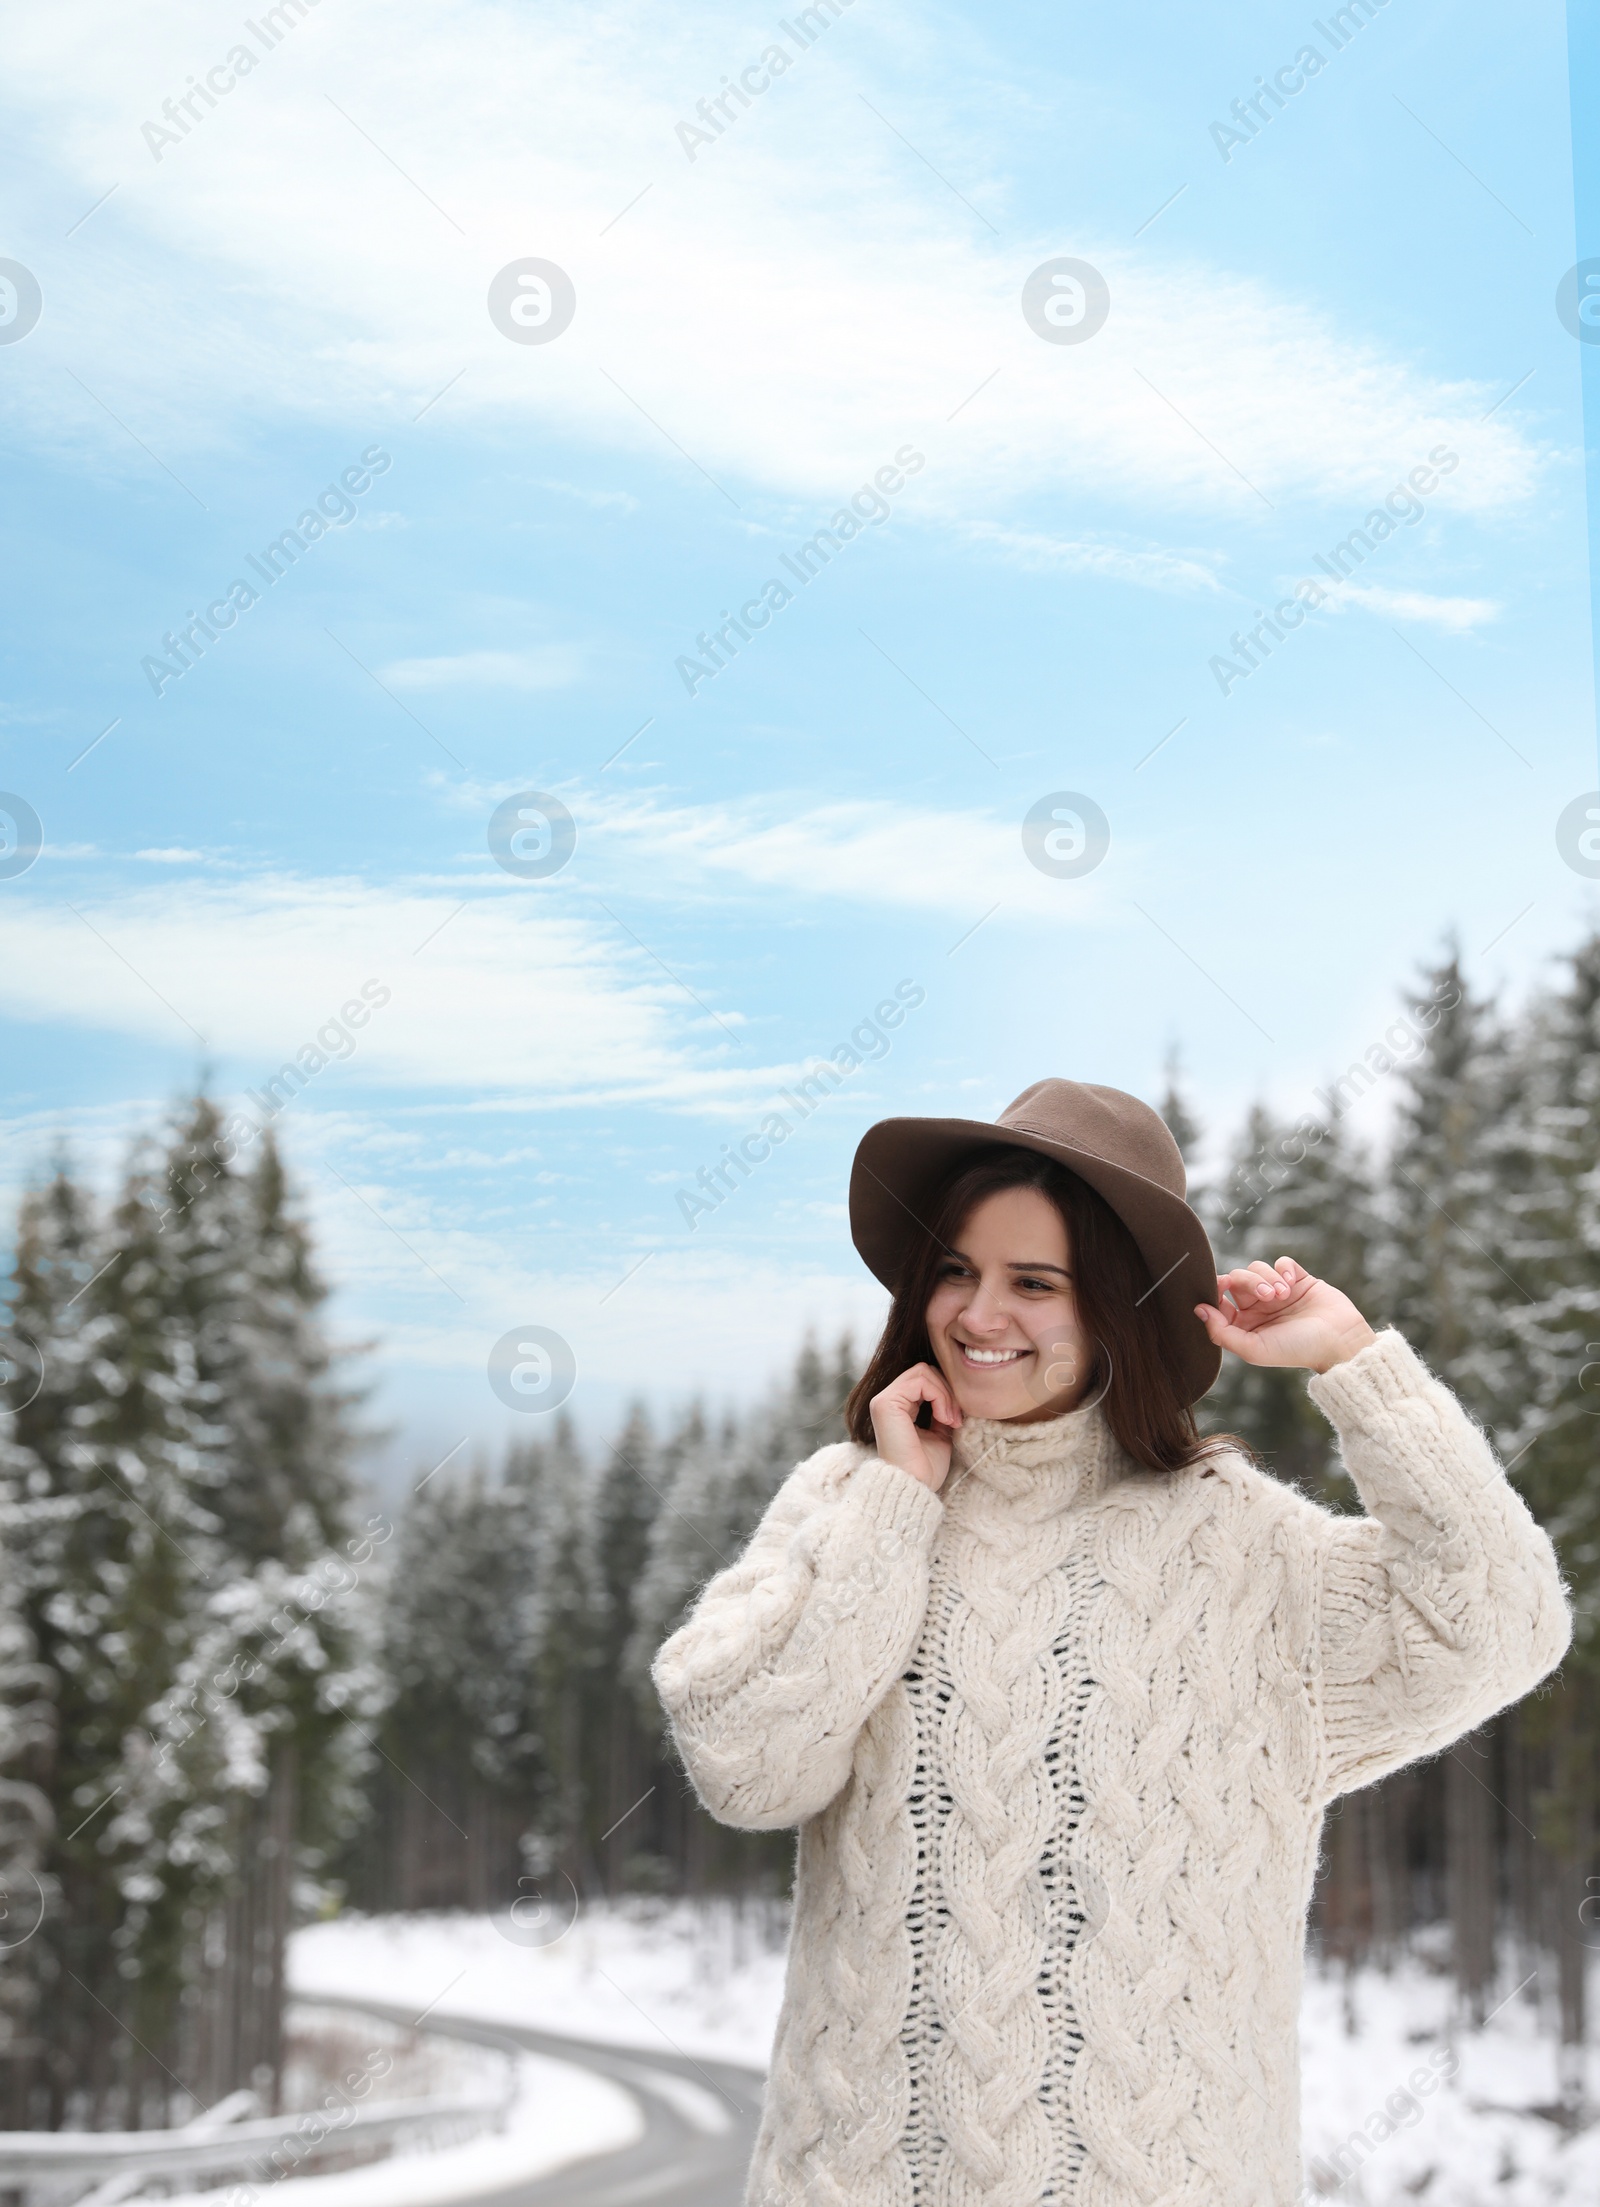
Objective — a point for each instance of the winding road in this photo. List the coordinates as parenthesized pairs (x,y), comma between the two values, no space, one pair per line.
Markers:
(699,2118)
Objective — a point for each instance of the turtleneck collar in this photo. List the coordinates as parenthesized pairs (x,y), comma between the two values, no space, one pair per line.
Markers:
(1050,1465)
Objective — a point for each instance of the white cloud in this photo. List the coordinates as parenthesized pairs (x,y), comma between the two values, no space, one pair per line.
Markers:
(615,501)
(1154,570)
(551,667)
(1457,616)
(720,305)
(911,857)
(501,991)
(494,994)
(914,857)
(498,990)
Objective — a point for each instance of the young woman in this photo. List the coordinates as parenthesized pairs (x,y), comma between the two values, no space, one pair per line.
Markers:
(1057,1693)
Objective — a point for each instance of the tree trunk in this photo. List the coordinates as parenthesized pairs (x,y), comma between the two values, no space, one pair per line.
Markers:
(1573,1776)
(239,1981)
(1387,1868)
(1521,1876)
(1470,1867)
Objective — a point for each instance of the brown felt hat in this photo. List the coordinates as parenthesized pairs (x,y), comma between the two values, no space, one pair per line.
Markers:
(1113,1141)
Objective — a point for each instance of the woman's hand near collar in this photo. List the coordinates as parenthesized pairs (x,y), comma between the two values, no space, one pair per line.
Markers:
(924,1452)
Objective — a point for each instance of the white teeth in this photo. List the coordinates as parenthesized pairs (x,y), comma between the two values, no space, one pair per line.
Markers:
(990,1356)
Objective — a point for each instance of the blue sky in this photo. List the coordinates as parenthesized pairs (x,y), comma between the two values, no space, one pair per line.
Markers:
(302,278)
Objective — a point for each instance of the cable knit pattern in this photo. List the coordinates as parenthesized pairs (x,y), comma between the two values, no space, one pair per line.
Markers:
(1058,1742)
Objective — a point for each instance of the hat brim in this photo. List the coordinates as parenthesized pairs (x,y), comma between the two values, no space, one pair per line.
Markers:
(900,1162)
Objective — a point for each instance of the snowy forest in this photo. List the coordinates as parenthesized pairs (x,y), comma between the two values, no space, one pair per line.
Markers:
(236,1693)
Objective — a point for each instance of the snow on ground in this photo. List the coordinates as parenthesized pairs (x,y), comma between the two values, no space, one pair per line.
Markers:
(561,2114)
(1444,2115)
(669,1976)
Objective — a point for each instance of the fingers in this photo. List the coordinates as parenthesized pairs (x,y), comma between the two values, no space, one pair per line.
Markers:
(1251,1301)
(1288,1282)
(1249,1335)
(936,1389)
(1217,1319)
(1249,1298)
(1253,1287)
(921,1383)
(1222,1330)
(1260,1286)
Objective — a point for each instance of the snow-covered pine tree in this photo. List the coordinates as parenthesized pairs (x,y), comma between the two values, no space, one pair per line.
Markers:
(189,1661)
(684,1548)
(27,1738)
(1291,1191)
(45,1351)
(462,1767)
(1446,1289)
(112,1558)
(267,1722)
(624,1750)
(568,1606)
(813,1415)
(1304,1190)
(1443,1284)
(1182,1124)
(1545,1157)
(716,1484)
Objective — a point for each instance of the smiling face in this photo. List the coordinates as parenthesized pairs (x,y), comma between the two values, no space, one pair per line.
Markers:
(1002,1319)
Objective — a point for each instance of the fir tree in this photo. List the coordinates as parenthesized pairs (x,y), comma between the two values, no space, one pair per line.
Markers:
(1443,1284)
(716,1485)
(1448,1287)
(1544,1155)
(687,1543)
(565,1595)
(1182,1125)
(462,1743)
(1544,1149)
(1291,1193)
(27,1738)
(198,1646)
(121,1439)
(622,1748)
(260,1734)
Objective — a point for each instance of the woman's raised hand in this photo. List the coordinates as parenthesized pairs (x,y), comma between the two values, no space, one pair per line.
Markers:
(1281,1314)
(901,1441)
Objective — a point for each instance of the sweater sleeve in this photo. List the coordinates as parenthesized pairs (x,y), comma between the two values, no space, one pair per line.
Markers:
(788,1652)
(1445,1602)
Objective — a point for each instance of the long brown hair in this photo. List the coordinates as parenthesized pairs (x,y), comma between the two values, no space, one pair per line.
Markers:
(1133,1368)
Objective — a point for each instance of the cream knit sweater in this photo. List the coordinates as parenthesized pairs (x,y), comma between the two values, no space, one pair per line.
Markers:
(1058,1741)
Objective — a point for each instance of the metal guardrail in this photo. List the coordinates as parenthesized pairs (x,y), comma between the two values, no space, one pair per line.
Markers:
(55,2168)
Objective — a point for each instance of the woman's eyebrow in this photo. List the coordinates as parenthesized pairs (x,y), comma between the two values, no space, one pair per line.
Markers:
(1013,1264)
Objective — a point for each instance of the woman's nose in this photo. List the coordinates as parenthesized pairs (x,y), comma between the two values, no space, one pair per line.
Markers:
(985,1314)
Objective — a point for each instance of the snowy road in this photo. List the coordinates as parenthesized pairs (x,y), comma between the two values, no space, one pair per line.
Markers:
(699,2121)
(705,1994)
